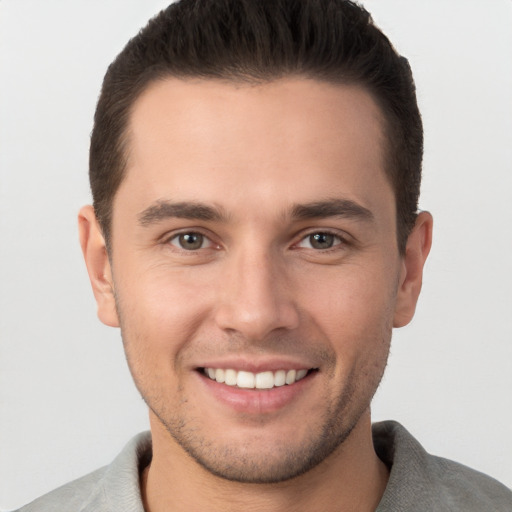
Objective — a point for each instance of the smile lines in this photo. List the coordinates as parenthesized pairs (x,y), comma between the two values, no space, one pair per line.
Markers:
(249,380)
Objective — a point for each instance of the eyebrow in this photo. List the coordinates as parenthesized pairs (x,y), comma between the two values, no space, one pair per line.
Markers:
(163,209)
(184,210)
(344,208)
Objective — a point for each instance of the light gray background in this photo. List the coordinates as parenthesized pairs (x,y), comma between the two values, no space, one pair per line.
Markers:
(67,404)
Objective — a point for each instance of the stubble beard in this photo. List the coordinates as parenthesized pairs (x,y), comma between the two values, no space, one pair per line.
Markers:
(235,463)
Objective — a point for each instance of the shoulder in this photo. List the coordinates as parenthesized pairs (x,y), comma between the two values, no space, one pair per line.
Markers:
(420,481)
(70,496)
(113,487)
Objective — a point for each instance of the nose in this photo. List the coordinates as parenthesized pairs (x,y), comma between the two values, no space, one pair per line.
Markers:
(255,296)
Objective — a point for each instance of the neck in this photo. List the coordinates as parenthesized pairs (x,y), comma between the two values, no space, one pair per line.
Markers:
(352,478)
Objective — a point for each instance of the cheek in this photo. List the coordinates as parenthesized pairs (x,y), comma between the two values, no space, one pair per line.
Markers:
(353,309)
(160,313)
(352,295)
(162,308)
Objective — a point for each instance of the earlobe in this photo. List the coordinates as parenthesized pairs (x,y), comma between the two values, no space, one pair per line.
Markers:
(416,252)
(98,265)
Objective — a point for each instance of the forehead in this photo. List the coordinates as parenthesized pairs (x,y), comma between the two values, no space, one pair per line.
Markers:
(289,140)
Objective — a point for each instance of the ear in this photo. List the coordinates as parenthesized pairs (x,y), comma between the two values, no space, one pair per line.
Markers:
(416,252)
(98,265)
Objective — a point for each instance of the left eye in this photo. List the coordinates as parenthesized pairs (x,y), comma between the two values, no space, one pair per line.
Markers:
(320,241)
(191,241)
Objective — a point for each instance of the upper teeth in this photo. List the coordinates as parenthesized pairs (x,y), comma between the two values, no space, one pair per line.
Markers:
(249,380)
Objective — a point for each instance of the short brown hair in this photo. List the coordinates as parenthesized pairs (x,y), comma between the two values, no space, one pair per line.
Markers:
(257,41)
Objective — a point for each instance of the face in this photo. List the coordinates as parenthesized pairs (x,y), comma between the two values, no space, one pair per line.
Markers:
(255,269)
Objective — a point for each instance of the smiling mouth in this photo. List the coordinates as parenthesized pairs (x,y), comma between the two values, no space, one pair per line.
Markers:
(262,380)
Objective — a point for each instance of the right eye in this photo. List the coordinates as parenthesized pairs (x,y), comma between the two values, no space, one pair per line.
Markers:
(190,241)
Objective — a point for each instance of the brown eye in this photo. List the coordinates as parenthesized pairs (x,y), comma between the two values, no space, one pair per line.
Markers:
(189,241)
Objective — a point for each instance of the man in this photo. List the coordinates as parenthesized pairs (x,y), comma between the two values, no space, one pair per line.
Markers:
(255,169)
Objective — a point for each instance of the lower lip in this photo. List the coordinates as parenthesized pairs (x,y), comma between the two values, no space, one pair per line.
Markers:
(254,401)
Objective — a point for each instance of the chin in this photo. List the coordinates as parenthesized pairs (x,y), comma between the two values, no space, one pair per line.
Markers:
(261,458)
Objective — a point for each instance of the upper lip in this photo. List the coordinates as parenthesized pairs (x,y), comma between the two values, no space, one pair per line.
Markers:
(256,365)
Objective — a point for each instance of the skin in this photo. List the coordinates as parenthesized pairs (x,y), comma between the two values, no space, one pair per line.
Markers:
(257,292)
